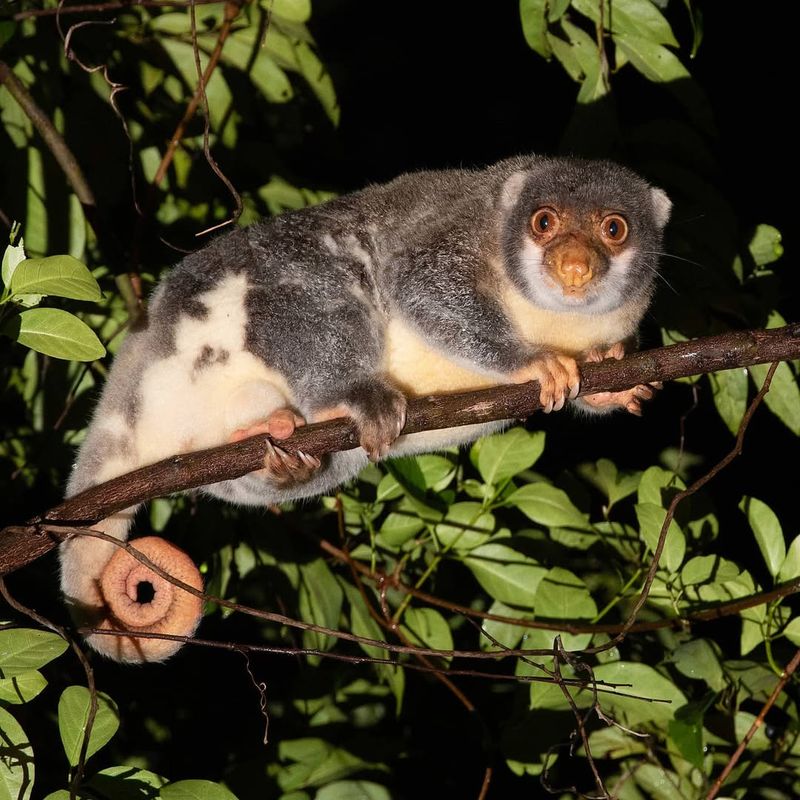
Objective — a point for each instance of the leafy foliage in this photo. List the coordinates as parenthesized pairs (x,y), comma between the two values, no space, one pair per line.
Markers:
(536,539)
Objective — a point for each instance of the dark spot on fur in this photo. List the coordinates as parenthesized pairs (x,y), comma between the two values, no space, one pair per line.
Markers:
(209,356)
(113,445)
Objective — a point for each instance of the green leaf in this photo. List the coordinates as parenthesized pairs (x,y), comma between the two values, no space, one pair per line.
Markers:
(556,9)
(614,743)
(317,763)
(174,23)
(506,454)
(729,388)
(565,54)
(389,488)
(651,520)
(581,60)
(465,526)
(77,228)
(294,10)
(353,790)
(507,575)
(361,622)
(696,20)
(639,18)
(604,475)
(219,95)
(73,714)
(60,276)
(792,631)
(699,660)
(549,506)
(563,595)
(655,485)
(319,79)
(783,397)
(504,633)
(653,60)
(196,790)
(533,14)
(686,733)
(125,783)
(790,569)
(768,532)
(12,256)
(645,682)
(7,30)
(56,333)
(21,688)
(698,570)
(37,221)
(421,473)
(659,783)
(320,602)
(17,768)
(26,649)
(765,246)
(426,627)
(398,528)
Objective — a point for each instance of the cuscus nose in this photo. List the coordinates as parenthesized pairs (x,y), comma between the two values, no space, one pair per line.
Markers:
(574,268)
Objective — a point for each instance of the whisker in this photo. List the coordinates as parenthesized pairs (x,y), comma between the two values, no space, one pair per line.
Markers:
(660,275)
(677,258)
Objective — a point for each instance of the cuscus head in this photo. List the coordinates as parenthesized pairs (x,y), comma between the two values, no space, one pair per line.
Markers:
(583,235)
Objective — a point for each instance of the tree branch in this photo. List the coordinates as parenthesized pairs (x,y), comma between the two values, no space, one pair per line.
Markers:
(20,545)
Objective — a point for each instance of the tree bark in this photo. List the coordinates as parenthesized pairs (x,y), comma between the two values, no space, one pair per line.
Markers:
(22,544)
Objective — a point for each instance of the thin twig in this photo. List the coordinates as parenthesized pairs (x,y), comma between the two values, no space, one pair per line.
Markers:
(231,12)
(786,675)
(52,138)
(670,515)
(112,5)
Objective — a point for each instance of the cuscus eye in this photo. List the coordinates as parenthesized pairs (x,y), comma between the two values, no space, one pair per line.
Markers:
(614,228)
(544,222)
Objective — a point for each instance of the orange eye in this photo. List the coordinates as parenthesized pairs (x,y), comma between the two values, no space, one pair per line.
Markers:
(614,228)
(544,222)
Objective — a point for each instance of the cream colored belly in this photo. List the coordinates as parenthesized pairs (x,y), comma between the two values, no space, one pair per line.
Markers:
(416,368)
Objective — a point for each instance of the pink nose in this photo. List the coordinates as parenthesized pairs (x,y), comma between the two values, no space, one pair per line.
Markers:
(574,271)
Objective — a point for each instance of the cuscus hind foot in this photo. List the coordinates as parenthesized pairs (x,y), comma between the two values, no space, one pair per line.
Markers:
(379,411)
(281,467)
(629,399)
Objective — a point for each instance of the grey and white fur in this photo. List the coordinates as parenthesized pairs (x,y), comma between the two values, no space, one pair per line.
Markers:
(434,282)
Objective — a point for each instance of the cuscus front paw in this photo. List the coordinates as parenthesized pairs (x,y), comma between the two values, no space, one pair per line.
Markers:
(630,399)
(558,377)
(281,467)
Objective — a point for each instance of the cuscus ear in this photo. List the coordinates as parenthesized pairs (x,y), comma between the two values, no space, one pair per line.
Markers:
(512,188)
(662,206)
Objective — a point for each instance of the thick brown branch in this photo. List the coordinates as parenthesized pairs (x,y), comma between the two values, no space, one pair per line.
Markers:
(22,544)
(73,173)
(52,138)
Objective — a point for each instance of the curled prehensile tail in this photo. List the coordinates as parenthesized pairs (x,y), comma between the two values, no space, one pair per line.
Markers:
(105,587)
